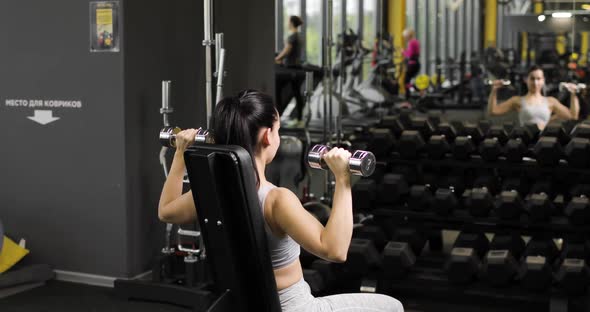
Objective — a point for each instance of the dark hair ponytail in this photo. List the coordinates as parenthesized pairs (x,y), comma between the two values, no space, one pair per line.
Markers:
(295,21)
(237,120)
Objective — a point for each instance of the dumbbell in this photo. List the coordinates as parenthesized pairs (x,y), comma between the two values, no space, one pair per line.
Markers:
(505,82)
(500,264)
(579,87)
(445,201)
(412,236)
(420,198)
(440,143)
(577,152)
(509,205)
(548,151)
(361,163)
(539,206)
(573,274)
(466,144)
(578,210)
(168,136)
(392,189)
(581,130)
(381,142)
(558,130)
(491,148)
(464,263)
(411,144)
(536,271)
(364,193)
(479,202)
(362,258)
(398,259)
(394,124)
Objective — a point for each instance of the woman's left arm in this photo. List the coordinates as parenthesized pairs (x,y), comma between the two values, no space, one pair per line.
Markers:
(561,111)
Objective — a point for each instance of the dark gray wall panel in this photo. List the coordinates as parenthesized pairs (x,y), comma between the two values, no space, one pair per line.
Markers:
(62,185)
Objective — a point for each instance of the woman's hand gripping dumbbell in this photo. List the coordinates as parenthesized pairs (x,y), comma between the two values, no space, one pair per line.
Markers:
(361,163)
(168,136)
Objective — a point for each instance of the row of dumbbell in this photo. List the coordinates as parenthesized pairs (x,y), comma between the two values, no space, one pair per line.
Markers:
(505,260)
(497,142)
(370,249)
(536,265)
(479,202)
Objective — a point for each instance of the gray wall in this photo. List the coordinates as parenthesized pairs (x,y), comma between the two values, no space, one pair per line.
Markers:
(83,190)
(62,184)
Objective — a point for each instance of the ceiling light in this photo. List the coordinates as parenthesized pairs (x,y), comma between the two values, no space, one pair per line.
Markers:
(541,17)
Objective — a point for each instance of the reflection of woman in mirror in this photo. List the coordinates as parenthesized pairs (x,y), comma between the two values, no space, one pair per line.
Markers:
(534,107)
(411,55)
(290,57)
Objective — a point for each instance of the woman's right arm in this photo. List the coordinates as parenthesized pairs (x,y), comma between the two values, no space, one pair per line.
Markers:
(332,241)
(502,108)
(175,207)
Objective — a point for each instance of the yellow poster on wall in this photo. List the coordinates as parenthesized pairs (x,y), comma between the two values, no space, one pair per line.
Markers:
(104,16)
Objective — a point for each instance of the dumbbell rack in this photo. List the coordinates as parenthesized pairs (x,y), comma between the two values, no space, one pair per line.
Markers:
(428,276)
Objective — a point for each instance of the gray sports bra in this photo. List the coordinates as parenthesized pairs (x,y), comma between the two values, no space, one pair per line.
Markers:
(533,114)
(283,250)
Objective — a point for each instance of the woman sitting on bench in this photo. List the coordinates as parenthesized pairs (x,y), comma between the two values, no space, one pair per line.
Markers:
(251,120)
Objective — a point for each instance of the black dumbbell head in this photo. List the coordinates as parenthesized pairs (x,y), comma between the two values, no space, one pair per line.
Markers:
(480,202)
(539,246)
(509,205)
(478,241)
(392,189)
(512,242)
(515,150)
(498,132)
(581,130)
(394,124)
(573,276)
(556,130)
(463,265)
(381,142)
(421,198)
(578,210)
(535,273)
(445,202)
(577,152)
(499,267)
(490,149)
(398,258)
(548,151)
(411,144)
(423,126)
(463,148)
(448,130)
(438,147)
(364,193)
(539,207)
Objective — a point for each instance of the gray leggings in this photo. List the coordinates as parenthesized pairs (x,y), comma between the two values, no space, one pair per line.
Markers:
(298,298)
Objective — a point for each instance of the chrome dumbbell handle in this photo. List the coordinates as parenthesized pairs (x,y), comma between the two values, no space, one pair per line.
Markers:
(505,82)
(579,86)
(361,163)
(168,136)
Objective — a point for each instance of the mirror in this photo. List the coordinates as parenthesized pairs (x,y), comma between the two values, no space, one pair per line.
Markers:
(442,57)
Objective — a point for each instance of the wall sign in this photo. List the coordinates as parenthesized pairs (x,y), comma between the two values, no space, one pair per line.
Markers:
(104,26)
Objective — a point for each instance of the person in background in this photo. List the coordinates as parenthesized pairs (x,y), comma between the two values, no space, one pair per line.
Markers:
(290,72)
(534,107)
(411,56)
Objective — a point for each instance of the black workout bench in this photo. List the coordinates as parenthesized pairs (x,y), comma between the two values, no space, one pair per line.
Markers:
(223,182)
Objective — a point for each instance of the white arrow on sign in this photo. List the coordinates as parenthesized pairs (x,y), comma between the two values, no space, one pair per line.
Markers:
(43,117)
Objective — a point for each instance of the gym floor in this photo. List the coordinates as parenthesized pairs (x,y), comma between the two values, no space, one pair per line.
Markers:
(58,296)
